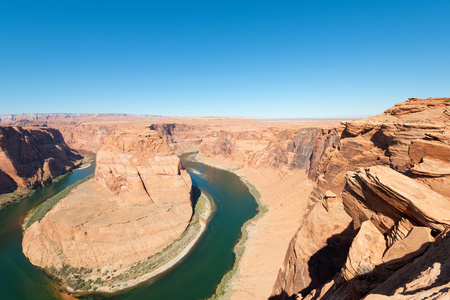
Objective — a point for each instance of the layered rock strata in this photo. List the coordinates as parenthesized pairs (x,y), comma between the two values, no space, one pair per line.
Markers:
(389,172)
(31,157)
(278,147)
(80,131)
(138,203)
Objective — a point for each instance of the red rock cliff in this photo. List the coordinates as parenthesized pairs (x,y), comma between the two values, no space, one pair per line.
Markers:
(31,157)
(257,144)
(381,198)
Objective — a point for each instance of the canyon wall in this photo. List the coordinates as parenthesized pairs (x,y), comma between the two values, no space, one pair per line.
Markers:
(279,147)
(86,135)
(31,157)
(381,198)
(80,131)
(138,203)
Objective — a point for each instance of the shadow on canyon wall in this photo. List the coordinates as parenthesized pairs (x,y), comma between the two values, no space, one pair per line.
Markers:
(282,296)
(384,281)
(7,184)
(328,261)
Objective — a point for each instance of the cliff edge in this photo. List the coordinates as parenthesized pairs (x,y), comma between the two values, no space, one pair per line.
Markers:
(31,157)
(379,209)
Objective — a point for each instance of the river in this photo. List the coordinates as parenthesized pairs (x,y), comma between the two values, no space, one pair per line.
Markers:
(195,277)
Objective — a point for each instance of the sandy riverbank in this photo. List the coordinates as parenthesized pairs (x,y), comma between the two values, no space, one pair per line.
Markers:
(285,195)
(131,283)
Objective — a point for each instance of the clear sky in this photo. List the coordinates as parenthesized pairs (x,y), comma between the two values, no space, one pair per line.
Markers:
(280,59)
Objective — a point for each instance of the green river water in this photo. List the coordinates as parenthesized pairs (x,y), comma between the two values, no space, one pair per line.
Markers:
(195,277)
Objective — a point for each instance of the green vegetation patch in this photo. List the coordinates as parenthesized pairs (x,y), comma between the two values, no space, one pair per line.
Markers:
(37,213)
(6,200)
(223,287)
(157,260)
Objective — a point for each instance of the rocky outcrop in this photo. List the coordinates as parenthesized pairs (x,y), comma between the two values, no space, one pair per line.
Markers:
(138,203)
(31,157)
(365,253)
(385,196)
(389,171)
(404,251)
(385,244)
(427,277)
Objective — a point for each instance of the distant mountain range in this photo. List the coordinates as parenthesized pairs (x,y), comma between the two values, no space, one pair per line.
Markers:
(6,118)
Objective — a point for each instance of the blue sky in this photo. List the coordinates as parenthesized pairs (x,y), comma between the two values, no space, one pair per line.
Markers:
(279,59)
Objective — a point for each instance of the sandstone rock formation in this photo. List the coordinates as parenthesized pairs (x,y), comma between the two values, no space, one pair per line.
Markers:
(138,203)
(365,253)
(31,157)
(181,137)
(403,251)
(85,135)
(385,196)
(427,277)
(255,144)
(399,183)
(80,131)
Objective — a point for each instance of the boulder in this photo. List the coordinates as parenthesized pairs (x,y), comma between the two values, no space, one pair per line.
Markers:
(404,251)
(366,252)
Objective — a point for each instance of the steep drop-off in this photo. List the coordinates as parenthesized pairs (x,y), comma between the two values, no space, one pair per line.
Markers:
(279,147)
(138,203)
(272,157)
(381,198)
(31,157)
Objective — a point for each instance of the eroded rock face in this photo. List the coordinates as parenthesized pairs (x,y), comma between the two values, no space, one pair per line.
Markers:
(365,253)
(257,146)
(317,251)
(89,136)
(80,131)
(427,277)
(408,188)
(405,250)
(31,157)
(385,196)
(138,204)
